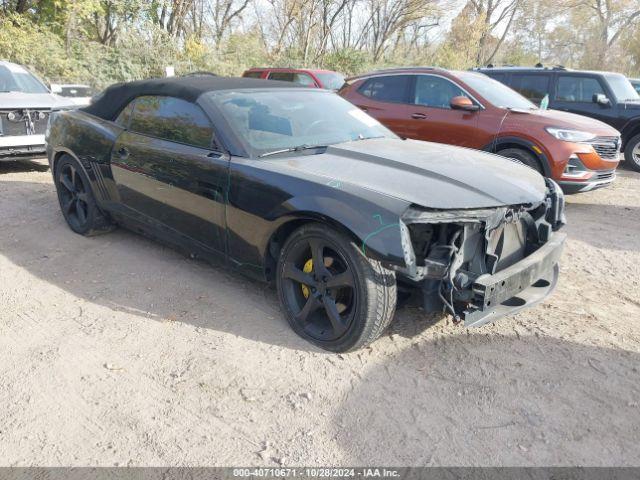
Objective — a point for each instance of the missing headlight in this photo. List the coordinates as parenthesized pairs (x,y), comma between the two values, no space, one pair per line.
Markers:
(421,237)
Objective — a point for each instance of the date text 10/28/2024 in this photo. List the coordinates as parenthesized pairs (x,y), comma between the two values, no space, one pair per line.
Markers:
(316,472)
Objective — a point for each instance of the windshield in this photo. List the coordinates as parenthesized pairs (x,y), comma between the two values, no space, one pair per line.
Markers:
(495,92)
(14,78)
(280,119)
(331,80)
(622,88)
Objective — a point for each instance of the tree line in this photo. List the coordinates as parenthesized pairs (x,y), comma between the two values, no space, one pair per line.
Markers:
(101,41)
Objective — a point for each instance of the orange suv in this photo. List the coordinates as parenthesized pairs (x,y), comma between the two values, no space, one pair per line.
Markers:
(472,110)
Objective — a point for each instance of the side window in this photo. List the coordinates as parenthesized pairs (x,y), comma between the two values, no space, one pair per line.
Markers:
(386,89)
(172,119)
(125,115)
(282,76)
(534,87)
(577,89)
(252,75)
(501,77)
(304,79)
(437,92)
(301,78)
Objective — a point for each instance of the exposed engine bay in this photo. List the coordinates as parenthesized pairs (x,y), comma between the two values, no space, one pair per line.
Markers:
(480,264)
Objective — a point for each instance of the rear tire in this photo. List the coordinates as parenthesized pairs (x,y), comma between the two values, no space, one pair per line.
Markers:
(76,199)
(331,293)
(632,153)
(523,156)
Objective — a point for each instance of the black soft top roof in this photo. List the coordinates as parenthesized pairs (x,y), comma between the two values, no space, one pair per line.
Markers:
(110,102)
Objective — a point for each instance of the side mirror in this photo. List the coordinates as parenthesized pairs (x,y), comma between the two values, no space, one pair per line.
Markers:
(463,103)
(601,99)
(55,88)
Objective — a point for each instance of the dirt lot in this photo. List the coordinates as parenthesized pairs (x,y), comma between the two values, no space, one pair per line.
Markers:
(118,351)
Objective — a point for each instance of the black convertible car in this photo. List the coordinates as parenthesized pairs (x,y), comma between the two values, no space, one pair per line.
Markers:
(298,186)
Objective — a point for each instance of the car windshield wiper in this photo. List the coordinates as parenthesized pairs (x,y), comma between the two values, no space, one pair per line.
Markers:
(522,110)
(298,148)
(362,137)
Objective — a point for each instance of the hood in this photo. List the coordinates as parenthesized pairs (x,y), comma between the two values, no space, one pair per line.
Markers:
(557,118)
(430,175)
(10,100)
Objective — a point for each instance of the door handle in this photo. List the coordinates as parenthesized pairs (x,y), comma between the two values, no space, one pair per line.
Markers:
(210,190)
(364,109)
(418,116)
(123,153)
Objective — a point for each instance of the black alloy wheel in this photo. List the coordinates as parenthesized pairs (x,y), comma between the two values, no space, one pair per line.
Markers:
(73,197)
(332,294)
(319,285)
(76,199)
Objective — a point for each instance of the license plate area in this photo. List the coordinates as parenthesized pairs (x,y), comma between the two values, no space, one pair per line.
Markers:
(492,290)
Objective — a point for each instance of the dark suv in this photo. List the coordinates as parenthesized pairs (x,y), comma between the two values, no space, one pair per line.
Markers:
(605,96)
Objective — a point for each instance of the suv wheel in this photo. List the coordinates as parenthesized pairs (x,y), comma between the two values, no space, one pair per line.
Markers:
(632,153)
(332,294)
(523,156)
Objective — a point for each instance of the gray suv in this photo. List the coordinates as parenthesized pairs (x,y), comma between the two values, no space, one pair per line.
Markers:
(25,105)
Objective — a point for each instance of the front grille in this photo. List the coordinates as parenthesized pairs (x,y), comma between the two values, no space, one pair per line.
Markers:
(605,174)
(9,128)
(607,147)
(40,126)
(22,126)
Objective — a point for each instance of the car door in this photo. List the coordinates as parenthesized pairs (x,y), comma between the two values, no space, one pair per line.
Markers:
(574,93)
(431,117)
(169,172)
(386,99)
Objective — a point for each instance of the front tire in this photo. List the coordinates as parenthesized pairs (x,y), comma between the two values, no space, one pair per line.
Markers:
(331,293)
(76,199)
(632,153)
(524,157)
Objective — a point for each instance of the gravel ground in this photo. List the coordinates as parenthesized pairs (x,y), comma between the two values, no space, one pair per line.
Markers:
(115,350)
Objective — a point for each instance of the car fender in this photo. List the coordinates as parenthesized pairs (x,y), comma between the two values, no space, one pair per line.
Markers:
(264,207)
(92,149)
(526,144)
(629,130)
(375,230)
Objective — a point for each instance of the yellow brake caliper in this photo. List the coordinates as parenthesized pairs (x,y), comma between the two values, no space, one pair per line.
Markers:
(308,268)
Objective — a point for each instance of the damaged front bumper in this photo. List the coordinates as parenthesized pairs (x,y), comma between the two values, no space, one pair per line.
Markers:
(516,287)
(22,147)
(482,264)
